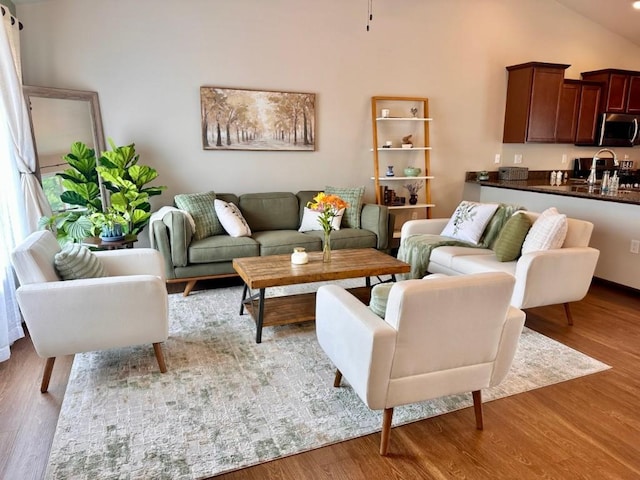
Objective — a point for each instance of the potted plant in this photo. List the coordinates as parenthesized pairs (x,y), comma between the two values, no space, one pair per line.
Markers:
(110,223)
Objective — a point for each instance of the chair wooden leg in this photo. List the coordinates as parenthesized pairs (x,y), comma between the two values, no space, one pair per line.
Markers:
(567,311)
(338,379)
(46,375)
(157,347)
(477,408)
(188,287)
(387,416)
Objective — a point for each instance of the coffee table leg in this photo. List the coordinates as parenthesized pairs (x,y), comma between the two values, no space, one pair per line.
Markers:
(244,296)
(367,281)
(260,316)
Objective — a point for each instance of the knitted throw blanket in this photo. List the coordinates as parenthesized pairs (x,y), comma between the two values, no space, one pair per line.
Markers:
(416,249)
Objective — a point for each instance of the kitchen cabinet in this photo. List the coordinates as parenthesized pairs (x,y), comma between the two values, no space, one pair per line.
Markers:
(621,89)
(533,99)
(393,119)
(578,112)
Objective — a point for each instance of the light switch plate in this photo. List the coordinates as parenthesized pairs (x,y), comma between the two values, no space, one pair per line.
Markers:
(517,158)
(497,158)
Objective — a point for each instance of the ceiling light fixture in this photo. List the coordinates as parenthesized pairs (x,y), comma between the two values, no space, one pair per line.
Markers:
(636,5)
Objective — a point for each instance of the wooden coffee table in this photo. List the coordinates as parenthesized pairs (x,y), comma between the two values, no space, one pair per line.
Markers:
(260,273)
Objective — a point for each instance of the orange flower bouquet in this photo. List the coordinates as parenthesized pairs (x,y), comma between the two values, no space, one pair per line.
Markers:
(328,207)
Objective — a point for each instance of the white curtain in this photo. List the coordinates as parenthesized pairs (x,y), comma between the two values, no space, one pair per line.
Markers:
(22,201)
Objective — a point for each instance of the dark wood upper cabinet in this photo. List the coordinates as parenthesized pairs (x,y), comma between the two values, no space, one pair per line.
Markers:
(566,124)
(621,89)
(578,112)
(634,94)
(587,120)
(533,99)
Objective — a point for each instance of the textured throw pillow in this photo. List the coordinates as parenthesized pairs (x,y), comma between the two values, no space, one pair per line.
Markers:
(547,232)
(310,220)
(379,297)
(231,219)
(201,207)
(353,197)
(469,221)
(509,242)
(76,261)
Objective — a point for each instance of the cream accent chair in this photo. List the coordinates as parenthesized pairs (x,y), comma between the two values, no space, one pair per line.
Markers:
(129,307)
(440,336)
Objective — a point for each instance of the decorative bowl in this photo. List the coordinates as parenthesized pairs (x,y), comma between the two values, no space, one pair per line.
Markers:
(412,171)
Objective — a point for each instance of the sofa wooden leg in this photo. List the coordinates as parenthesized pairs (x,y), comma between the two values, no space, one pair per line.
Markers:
(188,287)
(338,378)
(157,348)
(387,416)
(567,311)
(46,375)
(477,408)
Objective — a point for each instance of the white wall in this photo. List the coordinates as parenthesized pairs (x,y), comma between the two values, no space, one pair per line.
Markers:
(148,58)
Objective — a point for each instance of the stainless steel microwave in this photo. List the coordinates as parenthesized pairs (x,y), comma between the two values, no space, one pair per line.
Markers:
(618,130)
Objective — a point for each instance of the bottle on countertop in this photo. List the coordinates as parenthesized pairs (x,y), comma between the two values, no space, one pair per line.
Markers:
(553,178)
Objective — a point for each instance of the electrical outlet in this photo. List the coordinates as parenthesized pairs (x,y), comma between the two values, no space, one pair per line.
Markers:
(635,246)
(517,158)
(497,158)
(414,215)
(564,158)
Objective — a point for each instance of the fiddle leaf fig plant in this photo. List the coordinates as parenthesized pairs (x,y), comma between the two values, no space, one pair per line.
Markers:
(126,181)
(121,176)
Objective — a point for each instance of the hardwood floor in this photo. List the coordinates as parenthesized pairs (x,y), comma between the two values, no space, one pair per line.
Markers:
(588,428)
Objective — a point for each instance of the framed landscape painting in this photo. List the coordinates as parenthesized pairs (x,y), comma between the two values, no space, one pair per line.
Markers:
(237,119)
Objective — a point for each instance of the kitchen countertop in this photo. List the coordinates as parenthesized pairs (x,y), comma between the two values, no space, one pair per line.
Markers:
(572,188)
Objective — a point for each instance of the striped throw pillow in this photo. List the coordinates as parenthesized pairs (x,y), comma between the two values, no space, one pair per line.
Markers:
(76,261)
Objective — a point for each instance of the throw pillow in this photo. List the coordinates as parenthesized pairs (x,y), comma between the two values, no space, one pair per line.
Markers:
(76,261)
(547,232)
(353,197)
(379,297)
(509,242)
(310,220)
(469,221)
(231,219)
(201,207)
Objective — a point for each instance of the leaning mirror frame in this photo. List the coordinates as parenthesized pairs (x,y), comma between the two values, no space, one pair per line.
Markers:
(67,94)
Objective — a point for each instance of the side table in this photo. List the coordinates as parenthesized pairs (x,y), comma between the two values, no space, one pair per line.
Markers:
(98,243)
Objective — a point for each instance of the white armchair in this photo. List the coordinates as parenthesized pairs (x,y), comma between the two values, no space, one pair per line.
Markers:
(440,336)
(129,307)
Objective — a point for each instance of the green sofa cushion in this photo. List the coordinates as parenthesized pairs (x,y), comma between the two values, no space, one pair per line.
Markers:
(353,197)
(277,242)
(270,211)
(201,207)
(509,242)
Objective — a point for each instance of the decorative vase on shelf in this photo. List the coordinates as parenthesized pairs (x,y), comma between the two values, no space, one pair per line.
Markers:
(390,171)
(326,247)
(413,199)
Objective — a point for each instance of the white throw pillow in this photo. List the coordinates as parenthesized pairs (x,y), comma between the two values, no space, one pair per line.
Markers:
(310,220)
(547,232)
(231,219)
(469,221)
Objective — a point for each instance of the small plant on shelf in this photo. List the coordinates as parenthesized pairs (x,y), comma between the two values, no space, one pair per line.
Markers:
(413,188)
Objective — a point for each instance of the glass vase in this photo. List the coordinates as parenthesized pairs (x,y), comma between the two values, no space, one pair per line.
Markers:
(326,247)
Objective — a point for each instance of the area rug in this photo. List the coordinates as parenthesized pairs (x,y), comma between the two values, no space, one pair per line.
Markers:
(228,403)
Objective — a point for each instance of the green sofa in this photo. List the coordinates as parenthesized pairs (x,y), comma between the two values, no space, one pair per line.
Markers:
(274,218)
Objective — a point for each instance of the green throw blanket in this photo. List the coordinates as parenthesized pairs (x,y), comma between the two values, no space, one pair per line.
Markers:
(416,249)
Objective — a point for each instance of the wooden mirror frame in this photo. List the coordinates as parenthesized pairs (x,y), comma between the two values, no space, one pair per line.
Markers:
(66,94)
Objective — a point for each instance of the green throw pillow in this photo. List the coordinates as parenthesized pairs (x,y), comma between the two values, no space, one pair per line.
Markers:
(353,197)
(76,261)
(379,297)
(509,242)
(201,206)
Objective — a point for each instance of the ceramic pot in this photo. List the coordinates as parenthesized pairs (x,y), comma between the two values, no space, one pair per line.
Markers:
(299,256)
(412,171)
(413,199)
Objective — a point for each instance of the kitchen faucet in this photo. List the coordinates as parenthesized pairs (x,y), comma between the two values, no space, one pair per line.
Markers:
(592,175)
